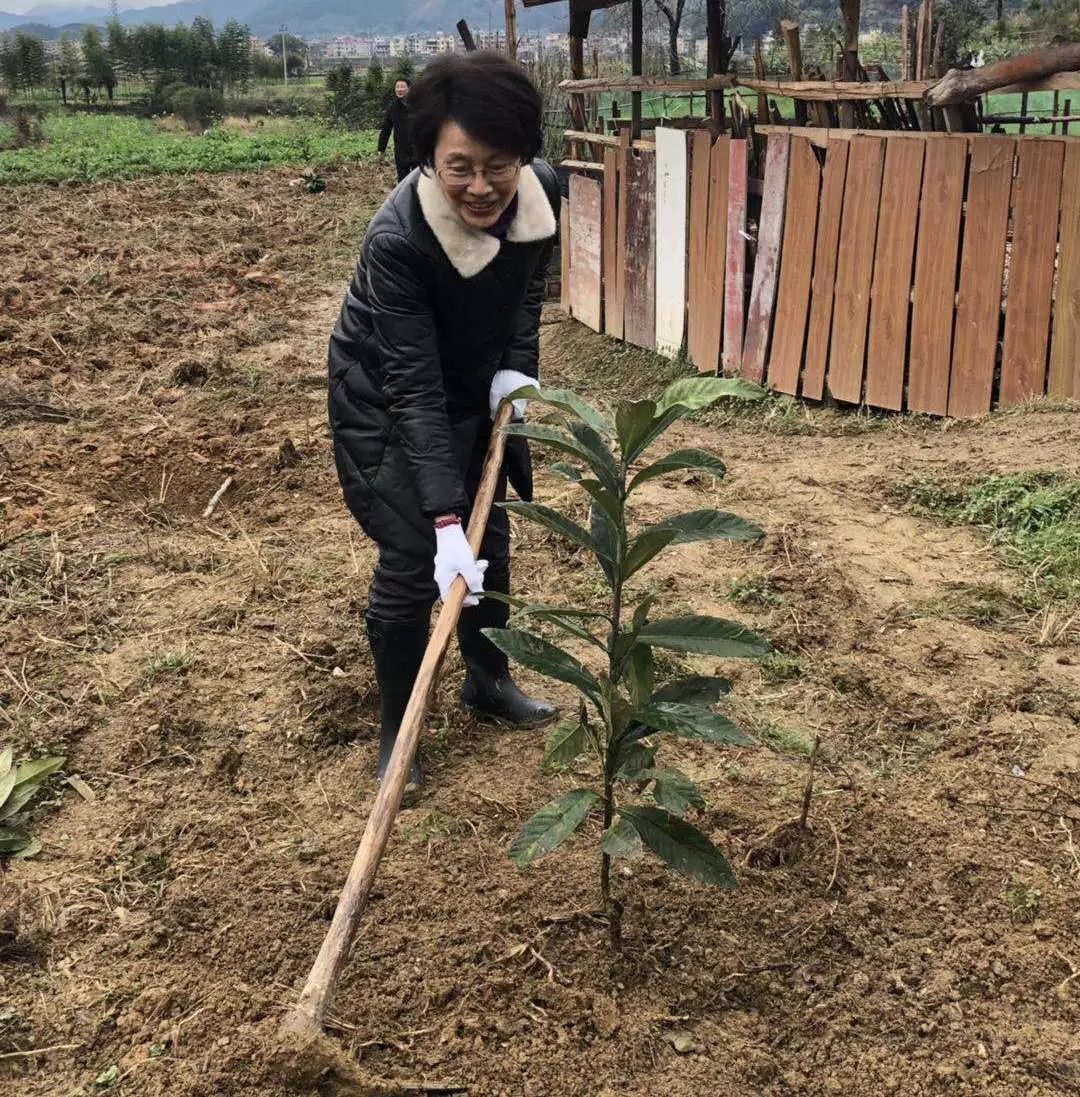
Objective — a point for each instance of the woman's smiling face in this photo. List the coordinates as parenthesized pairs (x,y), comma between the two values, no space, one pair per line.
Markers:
(479,182)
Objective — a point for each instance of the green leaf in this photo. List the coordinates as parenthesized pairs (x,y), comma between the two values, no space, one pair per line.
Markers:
(6,759)
(633,420)
(107,1078)
(558,440)
(673,790)
(566,471)
(695,690)
(641,610)
(567,401)
(690,722)
(601,459)
(707,525)
(33,773)
(680,459)
(606,537)
(12,841)
(639,672)
(705,636)
(565,743)
(660,423)
(524,608)
(645,546)
(633,758)
(538,654)
(606,500)
(695,393)
(552,825)
(554,521)
(621,840)
(7,781)
(31,849)
(680,845)
(17,800)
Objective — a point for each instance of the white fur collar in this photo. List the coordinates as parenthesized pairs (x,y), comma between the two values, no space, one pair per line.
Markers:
(470,250)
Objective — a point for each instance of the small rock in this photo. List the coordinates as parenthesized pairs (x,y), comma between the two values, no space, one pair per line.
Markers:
(684,1042)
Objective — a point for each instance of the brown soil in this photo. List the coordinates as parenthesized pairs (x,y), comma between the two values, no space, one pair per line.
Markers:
(209,681)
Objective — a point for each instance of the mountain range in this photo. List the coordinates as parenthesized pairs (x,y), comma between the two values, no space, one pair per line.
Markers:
(303,17)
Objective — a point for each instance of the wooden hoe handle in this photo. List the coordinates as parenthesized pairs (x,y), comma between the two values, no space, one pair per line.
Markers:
(321,981)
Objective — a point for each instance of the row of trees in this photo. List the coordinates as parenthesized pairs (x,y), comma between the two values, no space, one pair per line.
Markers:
(195,55)
(987,29)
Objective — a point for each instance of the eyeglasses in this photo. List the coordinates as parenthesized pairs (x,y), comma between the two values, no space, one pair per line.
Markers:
(460,175)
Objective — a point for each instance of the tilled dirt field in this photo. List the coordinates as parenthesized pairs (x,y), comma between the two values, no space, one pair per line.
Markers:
(208,680)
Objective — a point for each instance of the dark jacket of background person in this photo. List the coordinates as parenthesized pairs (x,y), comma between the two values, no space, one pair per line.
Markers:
(396,122)
(434,309)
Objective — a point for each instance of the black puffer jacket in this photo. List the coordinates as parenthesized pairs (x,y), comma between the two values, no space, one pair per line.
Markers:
(433,311)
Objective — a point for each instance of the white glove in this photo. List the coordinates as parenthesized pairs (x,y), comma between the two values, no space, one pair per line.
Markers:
(505,382)
(453,557)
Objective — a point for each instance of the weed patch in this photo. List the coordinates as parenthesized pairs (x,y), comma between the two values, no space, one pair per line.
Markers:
(1033,518)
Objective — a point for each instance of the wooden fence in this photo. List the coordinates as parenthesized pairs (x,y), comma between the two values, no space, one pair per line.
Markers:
(925,272)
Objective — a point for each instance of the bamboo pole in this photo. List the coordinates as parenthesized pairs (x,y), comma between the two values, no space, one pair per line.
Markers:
(310,1009)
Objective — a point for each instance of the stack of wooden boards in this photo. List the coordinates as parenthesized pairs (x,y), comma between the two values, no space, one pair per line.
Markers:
(927,272)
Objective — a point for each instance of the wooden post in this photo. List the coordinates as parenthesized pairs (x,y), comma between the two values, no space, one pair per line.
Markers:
(849,71)
(466,36)
(790,31)
(1057,104)
(1068,114)
(715,58)
(1023,111)
(576,46)
(637,34)
(905,44)
(511,28)
(759,71)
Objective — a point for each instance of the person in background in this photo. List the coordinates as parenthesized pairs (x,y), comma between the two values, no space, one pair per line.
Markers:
(396,123)
(440,322)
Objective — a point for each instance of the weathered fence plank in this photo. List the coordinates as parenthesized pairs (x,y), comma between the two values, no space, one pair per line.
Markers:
(767,261)
(1036,198)
(611,236)
(715,253)
(891,292)
(1065,350)
(937,259)
(564,255)
(671,195)
(825,258)
(735,274)
(796,267)
(640,259)
(978,303)
(851,301)
(615,322)
(585,251)
(697,303)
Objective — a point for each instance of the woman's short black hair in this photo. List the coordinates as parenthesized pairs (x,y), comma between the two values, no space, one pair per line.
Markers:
(489,96)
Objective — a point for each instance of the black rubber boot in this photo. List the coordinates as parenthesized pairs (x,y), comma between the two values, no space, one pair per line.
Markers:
(398,648)
(488,688)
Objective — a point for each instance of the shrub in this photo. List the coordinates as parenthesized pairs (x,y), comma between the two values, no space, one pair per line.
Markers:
(622,709)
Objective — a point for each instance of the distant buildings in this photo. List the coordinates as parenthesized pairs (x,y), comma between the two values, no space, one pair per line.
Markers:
(364,48)
(361,50)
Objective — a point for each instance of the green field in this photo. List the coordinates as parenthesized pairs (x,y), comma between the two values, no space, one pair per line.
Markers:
(101,146)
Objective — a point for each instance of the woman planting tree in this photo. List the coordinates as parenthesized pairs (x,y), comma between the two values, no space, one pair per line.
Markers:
(440,323)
